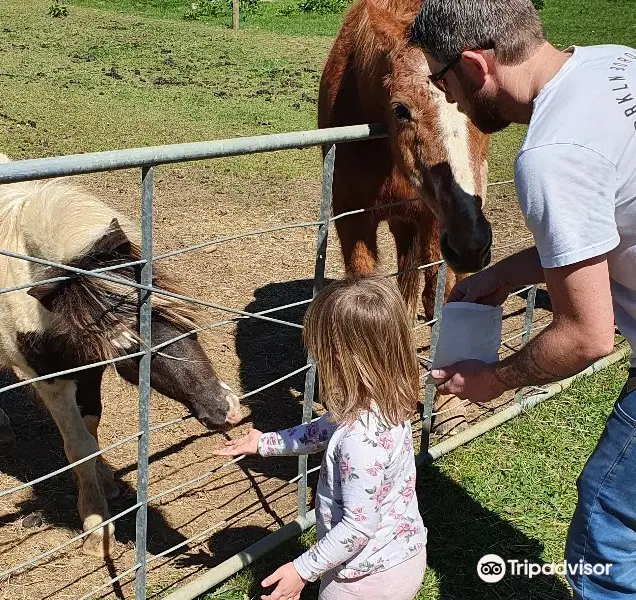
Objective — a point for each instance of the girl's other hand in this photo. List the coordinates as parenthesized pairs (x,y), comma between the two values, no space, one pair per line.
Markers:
(246,444)
(289,584)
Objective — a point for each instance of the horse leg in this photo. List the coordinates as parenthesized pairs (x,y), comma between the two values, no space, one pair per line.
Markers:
(452,417)
(89,400)
(59,398)
(358,240)
(408,255)
(6,432)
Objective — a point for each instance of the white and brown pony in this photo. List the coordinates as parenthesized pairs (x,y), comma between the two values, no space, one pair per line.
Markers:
(56,326)
(433,163)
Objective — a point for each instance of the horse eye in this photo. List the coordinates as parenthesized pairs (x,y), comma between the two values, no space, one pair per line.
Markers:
(401,112)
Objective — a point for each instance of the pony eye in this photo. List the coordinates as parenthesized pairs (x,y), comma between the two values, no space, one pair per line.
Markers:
(401,112)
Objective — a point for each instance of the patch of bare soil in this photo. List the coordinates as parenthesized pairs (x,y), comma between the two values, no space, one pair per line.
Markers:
(243,502)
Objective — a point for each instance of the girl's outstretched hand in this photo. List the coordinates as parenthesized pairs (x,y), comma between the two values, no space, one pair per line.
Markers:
(246,444)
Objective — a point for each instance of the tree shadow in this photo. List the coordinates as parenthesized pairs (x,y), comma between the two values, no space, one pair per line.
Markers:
(38,450)
(268,351)
(460,532)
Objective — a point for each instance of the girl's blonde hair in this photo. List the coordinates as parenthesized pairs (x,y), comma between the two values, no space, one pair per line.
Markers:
(358,332)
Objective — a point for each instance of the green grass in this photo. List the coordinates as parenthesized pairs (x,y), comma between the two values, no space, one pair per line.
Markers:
(280,16)
(101,80)
(511,492)
(125,73)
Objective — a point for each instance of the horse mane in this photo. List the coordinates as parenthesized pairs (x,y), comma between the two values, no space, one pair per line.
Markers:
(369,47)
(58,221)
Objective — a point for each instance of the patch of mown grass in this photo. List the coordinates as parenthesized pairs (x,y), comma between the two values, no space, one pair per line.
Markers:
(511,492)
(95,81)
(280,16)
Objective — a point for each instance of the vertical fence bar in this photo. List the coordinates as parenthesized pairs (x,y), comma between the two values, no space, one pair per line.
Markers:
(319,281)
(527,327)
(429,390)
(145,334)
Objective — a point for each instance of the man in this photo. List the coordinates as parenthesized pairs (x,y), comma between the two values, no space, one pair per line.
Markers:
(576,185)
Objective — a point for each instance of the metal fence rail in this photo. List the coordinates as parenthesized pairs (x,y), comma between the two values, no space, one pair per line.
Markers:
(146,159)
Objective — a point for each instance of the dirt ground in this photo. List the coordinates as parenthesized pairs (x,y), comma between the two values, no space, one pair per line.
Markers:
(242,503)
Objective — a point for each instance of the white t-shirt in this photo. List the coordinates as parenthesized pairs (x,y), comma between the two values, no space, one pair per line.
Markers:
(576,171)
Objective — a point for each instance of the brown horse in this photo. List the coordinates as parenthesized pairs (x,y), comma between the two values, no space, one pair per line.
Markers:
(433,161)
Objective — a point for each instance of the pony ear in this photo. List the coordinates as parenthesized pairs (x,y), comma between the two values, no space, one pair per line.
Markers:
(114,241)
(47,292)
(113,244)
(390,30)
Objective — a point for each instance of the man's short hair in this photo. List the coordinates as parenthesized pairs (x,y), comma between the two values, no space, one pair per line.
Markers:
(445,28)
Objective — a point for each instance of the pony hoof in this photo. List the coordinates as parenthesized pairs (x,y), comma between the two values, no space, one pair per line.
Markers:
(100,543)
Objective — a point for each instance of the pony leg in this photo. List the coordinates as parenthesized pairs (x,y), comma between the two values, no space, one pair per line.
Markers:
(59,398)
(6,433)
(89,400)
(359,244)
(408,258)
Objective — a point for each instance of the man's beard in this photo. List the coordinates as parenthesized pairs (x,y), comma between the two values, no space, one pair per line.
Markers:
(482,109)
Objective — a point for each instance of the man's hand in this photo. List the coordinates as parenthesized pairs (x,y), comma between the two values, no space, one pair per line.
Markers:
(485,287)
(493,285)
(469,380)
(289,584)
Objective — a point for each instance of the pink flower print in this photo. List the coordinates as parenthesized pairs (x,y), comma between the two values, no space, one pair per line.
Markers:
(393,513)
(354,544)
(358,515)
(375,468)
(378,494)
(326,516)
(408,491)
(314,435)
(355,573)
(269,441)
(347,471)
(385,441)
(407,447)
(406,530)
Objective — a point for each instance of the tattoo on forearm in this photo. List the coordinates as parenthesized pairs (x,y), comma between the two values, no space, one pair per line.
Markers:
(524,369)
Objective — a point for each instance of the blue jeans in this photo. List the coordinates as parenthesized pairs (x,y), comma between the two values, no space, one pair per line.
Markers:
(603,529)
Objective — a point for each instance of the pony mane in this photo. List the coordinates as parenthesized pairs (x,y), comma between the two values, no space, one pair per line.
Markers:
(59,221)
(369,48)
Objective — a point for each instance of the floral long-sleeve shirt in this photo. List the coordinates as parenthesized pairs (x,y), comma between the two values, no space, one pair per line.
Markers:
(367,518)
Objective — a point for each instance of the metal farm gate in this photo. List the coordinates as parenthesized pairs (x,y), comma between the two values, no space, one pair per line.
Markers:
(146,159)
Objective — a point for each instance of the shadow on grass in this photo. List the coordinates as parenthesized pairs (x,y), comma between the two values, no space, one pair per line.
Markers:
(460,532)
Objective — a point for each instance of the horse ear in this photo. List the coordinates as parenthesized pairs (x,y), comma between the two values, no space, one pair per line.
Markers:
(390,30)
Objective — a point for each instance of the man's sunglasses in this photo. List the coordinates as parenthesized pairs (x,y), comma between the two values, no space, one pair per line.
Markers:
(437,79)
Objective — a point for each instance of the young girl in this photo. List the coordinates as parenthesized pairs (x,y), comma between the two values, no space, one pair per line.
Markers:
(371,539)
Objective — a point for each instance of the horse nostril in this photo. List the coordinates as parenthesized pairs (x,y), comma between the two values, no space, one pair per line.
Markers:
(234,414)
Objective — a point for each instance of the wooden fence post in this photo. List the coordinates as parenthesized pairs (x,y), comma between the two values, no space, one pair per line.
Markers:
(235,14)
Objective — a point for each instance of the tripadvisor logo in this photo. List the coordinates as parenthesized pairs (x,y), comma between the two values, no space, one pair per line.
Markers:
(492,568)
